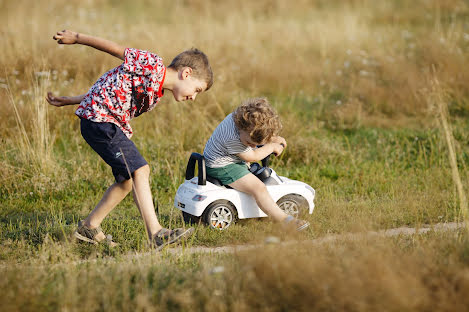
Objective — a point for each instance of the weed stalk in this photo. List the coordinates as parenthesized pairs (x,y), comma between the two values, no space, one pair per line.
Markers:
(438,98)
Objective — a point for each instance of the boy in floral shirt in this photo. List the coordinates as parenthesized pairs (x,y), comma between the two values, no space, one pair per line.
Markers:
(125,92)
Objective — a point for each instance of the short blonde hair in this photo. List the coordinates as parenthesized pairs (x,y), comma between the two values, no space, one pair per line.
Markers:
(258,118)
(198,61)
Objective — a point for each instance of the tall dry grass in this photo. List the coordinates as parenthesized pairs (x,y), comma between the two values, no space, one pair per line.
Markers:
(33,136)
(418,273)
(363,62)
(438,100)
(371,59)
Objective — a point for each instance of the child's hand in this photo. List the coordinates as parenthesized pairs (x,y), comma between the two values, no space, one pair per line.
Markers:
(66,37)
(278,144)
(279,140)
(57,100)
(278,148)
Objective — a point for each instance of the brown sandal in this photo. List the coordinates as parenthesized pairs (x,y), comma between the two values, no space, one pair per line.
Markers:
(88,235)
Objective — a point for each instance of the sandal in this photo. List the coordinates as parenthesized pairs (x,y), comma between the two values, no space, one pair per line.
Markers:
(88,235)
(291,221)
(165,237)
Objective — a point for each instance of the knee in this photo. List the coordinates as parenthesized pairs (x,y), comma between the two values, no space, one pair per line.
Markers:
(142,173)
(126,185)
(259,191)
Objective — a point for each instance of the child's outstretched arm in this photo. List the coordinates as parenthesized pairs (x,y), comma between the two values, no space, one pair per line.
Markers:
(71,37)
(64,100)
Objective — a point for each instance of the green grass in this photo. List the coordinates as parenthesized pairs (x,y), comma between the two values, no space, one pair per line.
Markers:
(379,177)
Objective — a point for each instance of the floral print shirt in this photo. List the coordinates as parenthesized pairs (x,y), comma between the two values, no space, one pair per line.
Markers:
(125,92)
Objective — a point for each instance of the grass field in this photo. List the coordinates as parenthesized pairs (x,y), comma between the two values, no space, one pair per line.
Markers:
(374,100)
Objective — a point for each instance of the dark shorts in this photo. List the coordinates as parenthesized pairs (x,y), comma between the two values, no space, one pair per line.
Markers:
(108,140)
(229,173)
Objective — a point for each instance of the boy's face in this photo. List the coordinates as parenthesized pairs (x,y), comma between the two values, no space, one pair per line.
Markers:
(246,139)
(187,87)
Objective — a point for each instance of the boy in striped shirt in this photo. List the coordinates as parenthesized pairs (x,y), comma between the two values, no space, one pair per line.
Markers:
(234,142)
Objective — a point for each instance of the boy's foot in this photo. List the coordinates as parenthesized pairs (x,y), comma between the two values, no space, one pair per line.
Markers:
(297,224)
(85,234)
(166,237)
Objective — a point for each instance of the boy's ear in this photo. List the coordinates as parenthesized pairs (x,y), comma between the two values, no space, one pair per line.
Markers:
(186,72)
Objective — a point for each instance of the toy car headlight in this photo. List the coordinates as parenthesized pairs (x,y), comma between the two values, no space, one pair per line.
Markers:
(199,197)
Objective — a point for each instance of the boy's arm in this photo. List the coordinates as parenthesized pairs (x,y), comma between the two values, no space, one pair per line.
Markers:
(262,152)
(71,37)
(64,100)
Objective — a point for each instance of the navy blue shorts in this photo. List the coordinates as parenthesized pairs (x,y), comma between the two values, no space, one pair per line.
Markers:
(108,140)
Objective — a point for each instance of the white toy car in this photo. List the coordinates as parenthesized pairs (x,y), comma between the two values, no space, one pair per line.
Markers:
(205,199)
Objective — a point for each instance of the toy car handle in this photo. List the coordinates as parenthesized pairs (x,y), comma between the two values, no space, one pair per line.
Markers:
(190,170)
(266,160)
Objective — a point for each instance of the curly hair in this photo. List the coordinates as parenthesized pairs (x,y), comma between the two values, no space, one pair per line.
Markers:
(258,118)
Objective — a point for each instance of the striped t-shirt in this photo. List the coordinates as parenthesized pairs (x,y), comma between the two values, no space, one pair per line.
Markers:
(224,144)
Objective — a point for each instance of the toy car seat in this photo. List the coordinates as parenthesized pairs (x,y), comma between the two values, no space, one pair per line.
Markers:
(262,172)
(202,175)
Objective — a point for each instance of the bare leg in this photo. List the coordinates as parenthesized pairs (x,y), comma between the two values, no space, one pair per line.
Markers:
(143,199)
(251,185)
(113,196)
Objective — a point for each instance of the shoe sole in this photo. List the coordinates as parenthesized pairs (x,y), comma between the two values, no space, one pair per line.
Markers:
(84,238)
(92,241)
(187,233)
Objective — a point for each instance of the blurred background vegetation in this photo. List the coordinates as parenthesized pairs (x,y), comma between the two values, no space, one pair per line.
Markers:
(353,82)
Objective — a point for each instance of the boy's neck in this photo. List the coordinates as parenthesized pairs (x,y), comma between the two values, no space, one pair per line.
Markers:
(170,78)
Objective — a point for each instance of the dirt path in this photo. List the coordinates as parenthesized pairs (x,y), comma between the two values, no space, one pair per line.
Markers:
(439,227)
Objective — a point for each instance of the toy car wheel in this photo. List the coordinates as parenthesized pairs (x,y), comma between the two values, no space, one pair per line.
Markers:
(293,204)
(190,219)
(220,215)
